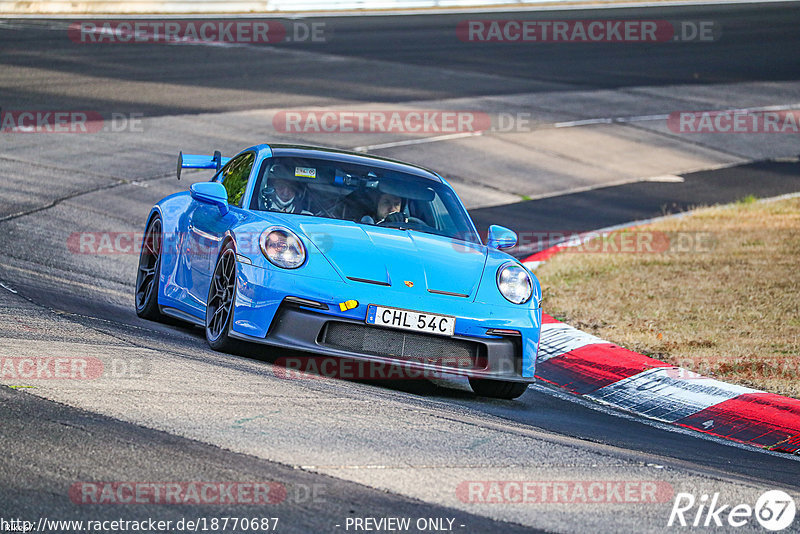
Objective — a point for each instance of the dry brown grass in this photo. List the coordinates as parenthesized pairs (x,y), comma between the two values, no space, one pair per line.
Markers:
(730,310)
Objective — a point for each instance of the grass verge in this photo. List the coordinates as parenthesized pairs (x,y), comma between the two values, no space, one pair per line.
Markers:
(716,292)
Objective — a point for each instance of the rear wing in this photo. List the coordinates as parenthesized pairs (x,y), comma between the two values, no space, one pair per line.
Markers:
(195,161)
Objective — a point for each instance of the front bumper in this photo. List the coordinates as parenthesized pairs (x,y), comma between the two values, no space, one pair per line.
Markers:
(300,329)
(262,315)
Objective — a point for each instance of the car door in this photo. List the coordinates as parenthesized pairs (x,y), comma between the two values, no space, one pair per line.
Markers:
(207,226)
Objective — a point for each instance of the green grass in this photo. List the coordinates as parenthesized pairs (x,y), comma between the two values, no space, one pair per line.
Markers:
(728,309)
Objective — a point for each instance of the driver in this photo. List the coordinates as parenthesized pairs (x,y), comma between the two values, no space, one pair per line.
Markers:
(281,194)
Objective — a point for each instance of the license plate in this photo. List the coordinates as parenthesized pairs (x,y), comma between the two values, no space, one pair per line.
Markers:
(443,325)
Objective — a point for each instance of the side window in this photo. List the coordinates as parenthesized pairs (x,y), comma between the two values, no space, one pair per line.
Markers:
(442,217)
(234,177)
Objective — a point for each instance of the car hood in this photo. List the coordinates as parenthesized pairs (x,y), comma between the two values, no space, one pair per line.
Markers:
(384,256)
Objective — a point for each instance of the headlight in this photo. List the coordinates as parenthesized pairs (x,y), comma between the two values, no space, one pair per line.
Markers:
(514,283)
(282,247)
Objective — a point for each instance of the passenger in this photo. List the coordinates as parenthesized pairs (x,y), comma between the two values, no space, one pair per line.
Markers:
(390,205)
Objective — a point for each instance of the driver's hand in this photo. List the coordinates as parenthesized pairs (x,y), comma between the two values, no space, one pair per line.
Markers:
(395,217)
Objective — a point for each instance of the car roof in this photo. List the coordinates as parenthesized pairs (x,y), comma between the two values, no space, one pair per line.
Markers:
(344,156)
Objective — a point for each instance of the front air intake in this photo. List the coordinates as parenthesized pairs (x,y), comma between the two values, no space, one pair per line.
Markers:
(391,343)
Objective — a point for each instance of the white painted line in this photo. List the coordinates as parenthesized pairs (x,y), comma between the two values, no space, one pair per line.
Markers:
(416,141)
(433,7)
(640,118)
(584,188)
(787,196)
(778,107)
(8,288)
(662,117)
(666,178)
(611,120)
(546,5)
(584,122)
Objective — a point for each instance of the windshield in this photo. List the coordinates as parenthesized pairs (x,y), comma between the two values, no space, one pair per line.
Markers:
(362,194)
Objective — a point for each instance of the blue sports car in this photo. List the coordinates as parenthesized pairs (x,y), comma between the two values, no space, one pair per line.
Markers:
(344,255)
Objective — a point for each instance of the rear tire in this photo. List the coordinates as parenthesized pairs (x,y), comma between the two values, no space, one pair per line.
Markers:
(221,298)
(149,273)
(497,389)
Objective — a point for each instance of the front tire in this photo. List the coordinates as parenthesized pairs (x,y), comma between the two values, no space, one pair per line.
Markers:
(497,389)
(221,297)
(149,273)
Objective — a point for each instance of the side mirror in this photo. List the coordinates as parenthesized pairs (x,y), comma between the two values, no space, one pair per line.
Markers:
(211,193)
(501,237)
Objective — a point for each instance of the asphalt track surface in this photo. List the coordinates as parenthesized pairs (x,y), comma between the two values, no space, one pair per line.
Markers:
(759,44)
(110,449)
(616,205)
(58,299)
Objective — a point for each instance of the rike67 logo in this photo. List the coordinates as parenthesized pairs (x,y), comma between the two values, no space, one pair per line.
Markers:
(774,510)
